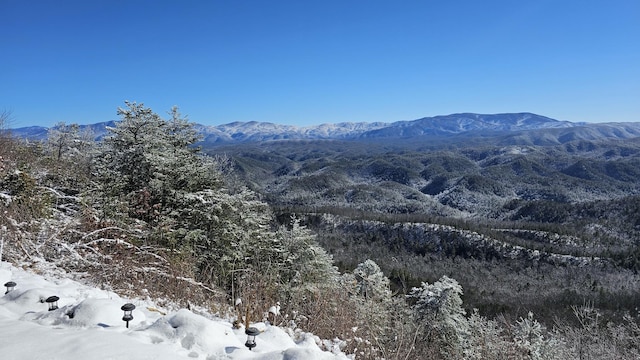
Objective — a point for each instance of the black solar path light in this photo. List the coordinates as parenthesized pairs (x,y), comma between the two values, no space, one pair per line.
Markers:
(9,285)
(251,337)
(53,302)
(128,310)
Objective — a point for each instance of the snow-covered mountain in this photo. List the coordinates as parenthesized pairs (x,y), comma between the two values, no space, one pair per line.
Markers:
(461,123)
(438,125)
(254,131)
(41,132)
(507,124)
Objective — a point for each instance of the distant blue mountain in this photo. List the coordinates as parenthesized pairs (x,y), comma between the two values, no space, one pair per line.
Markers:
(41,132)
(31,132)
(520,127)
(461,123)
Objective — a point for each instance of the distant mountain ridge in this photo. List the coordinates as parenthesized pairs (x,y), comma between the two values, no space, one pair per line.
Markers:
(41,132)
(263,131)
(460,123)
(453,124)
(519,127)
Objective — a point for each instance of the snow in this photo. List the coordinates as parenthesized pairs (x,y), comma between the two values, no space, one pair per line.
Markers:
(88,325)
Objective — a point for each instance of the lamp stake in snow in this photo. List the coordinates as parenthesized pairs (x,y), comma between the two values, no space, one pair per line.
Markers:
(53,302)
(9,285)
(128,310)
(251,337)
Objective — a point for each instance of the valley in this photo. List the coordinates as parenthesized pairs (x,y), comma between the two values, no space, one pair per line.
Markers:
(523,227)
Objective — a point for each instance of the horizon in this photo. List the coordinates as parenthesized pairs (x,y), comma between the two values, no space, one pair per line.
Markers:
(312,63)
(306,125)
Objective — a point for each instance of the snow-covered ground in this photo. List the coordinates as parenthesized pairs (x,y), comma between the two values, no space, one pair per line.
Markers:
(88,325)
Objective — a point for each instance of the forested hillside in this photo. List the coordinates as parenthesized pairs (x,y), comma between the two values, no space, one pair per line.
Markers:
(383,251)
(522,227)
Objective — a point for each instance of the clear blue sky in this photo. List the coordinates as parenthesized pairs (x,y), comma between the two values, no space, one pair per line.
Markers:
(309,62)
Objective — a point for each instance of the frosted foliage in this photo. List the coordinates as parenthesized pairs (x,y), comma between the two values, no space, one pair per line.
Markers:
(62,139)
(373,304)
(441,297)
(153,163)
(529,335)
(148,152)
(486,340)
(151,169)
(302,261)
(130,143)
(235,231)
(371,282)
(439,307)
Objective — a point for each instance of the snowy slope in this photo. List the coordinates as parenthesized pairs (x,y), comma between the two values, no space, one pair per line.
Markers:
(439,125)
(255,131)
(88,325)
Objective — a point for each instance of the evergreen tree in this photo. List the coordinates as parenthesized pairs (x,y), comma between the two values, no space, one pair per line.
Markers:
(371,283)
(439,307)
(153,163)
(301,259)
(131,146)
(373,303)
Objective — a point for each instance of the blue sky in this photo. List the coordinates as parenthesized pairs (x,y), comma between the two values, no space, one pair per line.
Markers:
(311,62)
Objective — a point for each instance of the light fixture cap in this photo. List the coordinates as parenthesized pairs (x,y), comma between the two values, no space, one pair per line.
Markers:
(251,331)
(128,307)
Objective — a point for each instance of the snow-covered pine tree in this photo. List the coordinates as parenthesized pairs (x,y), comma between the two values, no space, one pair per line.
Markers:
(371,283)
(151,174)
(131,145)
(439,307)
(177,165)
(301,260)
(373,303)
(235,235)
(153,163)
(303,269)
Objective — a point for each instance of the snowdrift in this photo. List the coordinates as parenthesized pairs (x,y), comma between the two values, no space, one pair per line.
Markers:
(87,324)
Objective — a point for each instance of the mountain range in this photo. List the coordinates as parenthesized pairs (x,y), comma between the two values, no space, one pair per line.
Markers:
(527,211)
(511,128)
